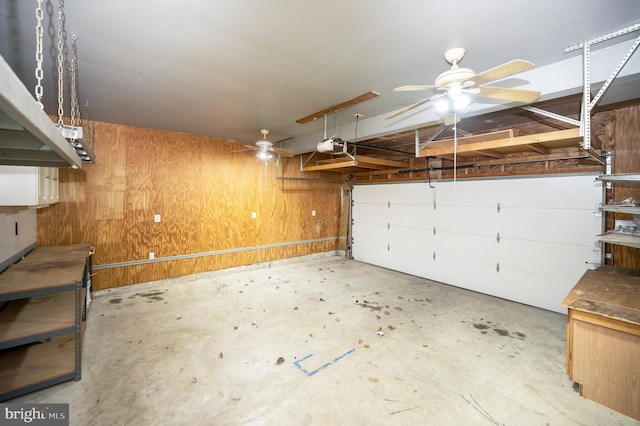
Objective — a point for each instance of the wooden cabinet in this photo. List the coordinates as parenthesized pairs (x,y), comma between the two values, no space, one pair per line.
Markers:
(603,337)
(28,186)
(43,304)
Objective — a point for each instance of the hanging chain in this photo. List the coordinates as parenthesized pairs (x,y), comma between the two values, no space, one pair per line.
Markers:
(75,108)
(39,32)
(60,64)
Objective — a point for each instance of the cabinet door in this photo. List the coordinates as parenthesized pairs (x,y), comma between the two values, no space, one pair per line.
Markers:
(28,186)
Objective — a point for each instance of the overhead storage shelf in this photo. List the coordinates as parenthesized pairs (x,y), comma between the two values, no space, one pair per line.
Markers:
(28,137)
(499,144)
(359,163)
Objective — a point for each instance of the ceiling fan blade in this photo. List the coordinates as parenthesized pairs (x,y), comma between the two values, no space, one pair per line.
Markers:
(285,152)
(414,87)
(412,106)
(516,95)
(509,68)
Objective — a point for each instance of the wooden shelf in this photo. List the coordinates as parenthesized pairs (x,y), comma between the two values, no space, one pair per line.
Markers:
(41,327)
(46,270)
(501,144)
(38,318)
(28,368)
(619,208)
(621,239)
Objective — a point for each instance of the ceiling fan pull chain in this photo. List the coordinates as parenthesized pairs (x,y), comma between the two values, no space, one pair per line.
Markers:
(60,63)
(39,32)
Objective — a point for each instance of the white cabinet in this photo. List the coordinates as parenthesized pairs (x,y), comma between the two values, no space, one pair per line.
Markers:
(28,186)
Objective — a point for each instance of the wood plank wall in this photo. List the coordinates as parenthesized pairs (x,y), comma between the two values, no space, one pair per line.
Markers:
(626,159)
(205,193)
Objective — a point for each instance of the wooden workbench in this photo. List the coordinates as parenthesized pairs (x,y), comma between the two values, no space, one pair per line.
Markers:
(603,337)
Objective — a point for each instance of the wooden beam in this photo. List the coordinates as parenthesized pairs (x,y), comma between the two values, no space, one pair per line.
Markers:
(571,154)
(568,136)
(353,101)
(487,153)
(538,149)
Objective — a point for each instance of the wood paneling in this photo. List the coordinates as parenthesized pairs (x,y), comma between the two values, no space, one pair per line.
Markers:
(626,159)
(205,190)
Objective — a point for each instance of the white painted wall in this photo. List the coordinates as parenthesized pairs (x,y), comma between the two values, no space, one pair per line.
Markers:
(547,229)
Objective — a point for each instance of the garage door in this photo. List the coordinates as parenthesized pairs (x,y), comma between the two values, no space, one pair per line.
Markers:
(523,239)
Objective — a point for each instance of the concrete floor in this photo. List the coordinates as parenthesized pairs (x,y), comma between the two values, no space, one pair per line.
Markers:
(205,351)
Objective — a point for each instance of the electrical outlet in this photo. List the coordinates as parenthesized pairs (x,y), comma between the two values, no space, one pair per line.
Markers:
(313,212)
(253,215)
(156,218)
(152,255)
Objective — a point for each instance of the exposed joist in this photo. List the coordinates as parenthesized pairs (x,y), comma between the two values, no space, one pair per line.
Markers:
(568,136)
(538,149)
(492,154)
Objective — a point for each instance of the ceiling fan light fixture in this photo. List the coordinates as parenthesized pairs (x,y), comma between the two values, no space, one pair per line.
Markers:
(461,102)
(442,105)
(264,155)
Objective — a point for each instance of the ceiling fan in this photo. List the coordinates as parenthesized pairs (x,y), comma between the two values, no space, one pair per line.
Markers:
(265,148)
(458,83)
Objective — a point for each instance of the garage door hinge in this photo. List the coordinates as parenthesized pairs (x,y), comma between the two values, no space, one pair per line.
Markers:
(388,247)
(498,207)
(434,255)
(388,225)
(434,230)
(434,205)
(497,267)
(498,237)
(389,204)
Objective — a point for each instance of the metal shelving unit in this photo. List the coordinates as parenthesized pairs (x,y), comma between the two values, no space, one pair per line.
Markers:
(630,240)
(41,319)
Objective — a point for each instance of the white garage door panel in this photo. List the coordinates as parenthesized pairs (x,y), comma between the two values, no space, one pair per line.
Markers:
(469,220)
(410,262)
(467,193)
(370,234)
(559,192)
(370,253)
(472,276)
(411,239)
(474,248)
(373,194)
(371,213)
(549,259)
(536,290)
(547,233)
(410,193)
(414,215)
(561,226)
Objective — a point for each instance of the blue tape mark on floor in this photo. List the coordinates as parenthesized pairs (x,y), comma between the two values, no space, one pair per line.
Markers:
(311,373)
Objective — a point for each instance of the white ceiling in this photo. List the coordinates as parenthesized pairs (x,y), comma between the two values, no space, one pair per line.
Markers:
(228,68)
